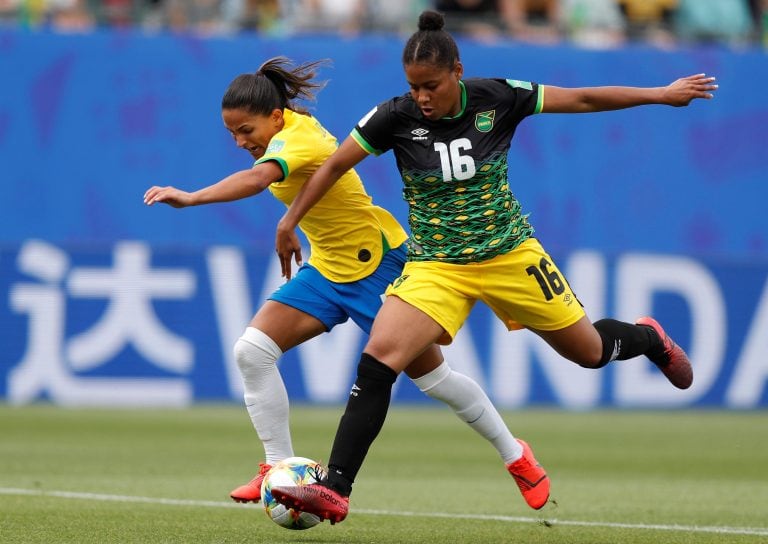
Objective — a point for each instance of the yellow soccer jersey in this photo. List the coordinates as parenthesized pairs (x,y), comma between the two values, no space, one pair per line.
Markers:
(346,231)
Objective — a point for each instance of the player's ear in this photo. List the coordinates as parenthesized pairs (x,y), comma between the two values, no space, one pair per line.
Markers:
(458,70)
(276,115)
(276,119)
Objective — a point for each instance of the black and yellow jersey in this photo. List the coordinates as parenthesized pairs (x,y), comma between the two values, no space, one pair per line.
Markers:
(454,170)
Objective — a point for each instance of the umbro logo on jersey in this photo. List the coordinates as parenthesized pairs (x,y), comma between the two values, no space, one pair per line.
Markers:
(419,133)
(399,281)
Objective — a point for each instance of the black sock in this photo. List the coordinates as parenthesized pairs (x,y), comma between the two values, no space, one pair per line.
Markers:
(623,341)
(362,420)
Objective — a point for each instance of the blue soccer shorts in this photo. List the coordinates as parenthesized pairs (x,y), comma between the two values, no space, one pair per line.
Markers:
(333,303)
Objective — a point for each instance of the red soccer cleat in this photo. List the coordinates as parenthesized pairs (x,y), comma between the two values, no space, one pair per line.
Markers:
(315,499)
(251,492)
(530,477)
(673,362)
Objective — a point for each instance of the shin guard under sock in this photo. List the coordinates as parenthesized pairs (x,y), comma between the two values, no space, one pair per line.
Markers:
(470,403)
(362,420)
(623,340)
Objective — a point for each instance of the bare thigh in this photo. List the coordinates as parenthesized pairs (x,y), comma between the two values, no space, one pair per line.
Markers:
(285,325)
(401,334)
(580,342)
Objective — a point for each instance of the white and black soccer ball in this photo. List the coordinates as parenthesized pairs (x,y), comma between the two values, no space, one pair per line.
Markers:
(290,472)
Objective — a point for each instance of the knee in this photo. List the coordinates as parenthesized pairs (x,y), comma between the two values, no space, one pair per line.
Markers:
(589,357)
(591,364)
(255,349)
(241,351)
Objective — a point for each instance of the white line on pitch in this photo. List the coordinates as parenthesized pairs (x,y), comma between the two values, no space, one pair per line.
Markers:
(752,531)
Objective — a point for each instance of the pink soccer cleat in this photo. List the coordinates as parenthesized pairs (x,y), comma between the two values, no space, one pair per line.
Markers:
(315,499)
(251,492)
(673,362)
(530,477)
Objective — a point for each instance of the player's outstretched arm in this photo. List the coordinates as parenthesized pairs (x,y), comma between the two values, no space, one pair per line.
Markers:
(593,99)
(236,186)
(287,243)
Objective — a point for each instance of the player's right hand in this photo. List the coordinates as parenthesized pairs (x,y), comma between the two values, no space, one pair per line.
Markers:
(288,248)
(168,195)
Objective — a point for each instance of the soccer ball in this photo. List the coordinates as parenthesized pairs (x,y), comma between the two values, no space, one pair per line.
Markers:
(289,472)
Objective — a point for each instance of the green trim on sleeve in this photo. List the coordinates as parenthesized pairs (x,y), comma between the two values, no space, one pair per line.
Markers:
(280,162)
(364,144)
(385,242)
(540,100)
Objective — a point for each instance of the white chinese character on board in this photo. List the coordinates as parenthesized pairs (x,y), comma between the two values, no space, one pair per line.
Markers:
(130,286)
(50,363)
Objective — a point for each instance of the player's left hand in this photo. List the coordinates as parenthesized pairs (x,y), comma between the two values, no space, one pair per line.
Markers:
(288,248)
(682,91)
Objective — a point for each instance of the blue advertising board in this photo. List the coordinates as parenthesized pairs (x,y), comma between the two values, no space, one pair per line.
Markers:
(136,326)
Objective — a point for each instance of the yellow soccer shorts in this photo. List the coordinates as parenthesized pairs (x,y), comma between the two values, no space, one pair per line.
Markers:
(524,288)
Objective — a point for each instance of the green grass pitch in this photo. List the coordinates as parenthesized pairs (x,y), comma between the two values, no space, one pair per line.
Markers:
(145,476)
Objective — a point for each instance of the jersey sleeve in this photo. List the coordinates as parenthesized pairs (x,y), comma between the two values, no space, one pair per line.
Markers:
(374,131)
(289,152)
(528,97)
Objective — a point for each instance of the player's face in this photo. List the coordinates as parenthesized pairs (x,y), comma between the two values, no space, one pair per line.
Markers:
(435,89)
(253,132)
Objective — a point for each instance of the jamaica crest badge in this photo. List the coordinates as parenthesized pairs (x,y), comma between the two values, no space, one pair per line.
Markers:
(484,120)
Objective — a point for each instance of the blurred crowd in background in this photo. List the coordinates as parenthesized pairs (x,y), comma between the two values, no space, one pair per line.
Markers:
(588,23)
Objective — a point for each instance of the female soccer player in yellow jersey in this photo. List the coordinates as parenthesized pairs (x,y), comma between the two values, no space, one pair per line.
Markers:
(469,238)
(357,250)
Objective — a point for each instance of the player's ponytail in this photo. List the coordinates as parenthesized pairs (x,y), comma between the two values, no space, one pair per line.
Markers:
(275,85)
(431,44)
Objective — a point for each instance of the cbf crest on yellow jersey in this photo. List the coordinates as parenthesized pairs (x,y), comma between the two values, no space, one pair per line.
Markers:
(347,233)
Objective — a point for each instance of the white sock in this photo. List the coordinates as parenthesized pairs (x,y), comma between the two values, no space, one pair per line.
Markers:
(473,406)
(265,396)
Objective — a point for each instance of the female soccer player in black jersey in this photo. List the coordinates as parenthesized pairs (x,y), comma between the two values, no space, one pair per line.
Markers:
(469,238)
